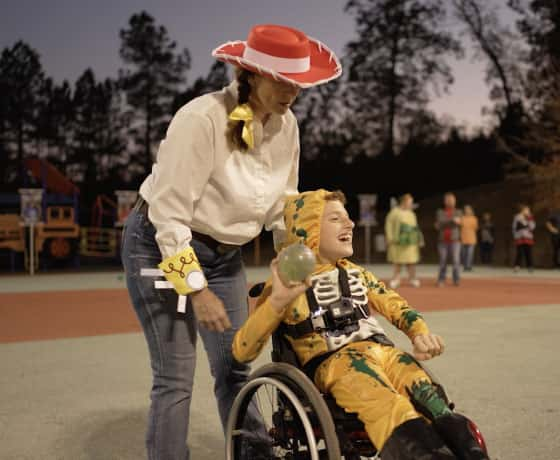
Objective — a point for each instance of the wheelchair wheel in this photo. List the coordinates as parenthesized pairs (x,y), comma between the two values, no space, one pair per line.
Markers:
(280,414)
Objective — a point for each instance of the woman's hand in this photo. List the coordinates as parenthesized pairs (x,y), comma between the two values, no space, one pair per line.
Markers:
(283,295)
(427,346)
(209,311)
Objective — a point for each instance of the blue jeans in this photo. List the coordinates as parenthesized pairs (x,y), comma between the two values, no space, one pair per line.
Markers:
(468,256)
(171,336)
(446,251)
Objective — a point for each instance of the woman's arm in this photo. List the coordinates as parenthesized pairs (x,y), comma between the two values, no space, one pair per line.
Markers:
(185,161)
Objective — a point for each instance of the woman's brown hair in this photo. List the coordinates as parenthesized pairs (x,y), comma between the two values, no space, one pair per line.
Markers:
(235,128)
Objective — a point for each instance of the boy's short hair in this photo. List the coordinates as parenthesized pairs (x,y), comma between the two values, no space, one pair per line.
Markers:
(336,195)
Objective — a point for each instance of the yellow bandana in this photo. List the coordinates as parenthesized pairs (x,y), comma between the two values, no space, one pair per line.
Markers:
(244,113)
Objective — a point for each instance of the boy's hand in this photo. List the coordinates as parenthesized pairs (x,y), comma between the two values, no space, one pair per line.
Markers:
(281,294)
(427,346)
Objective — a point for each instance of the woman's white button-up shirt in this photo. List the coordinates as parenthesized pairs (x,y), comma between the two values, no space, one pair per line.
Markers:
(200,183)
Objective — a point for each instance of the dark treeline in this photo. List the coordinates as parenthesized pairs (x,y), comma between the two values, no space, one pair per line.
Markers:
(370,131)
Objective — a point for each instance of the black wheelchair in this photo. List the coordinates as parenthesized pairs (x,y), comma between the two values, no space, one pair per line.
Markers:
(300,423)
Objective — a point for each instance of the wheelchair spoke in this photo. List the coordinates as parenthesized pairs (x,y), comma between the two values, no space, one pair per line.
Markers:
(280,416)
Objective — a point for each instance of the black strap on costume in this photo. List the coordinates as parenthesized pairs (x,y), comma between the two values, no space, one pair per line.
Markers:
(344,283)
(306,327)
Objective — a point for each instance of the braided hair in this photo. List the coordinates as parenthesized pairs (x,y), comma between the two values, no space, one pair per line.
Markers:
(235,128)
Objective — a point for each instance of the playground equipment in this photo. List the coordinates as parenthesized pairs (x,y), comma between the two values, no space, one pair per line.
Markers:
(57,234)
(46,226)
(100,240)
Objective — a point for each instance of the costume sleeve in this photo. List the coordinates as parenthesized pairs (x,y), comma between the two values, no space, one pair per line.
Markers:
(393,307)
(275,217)
(253,335)
(184,164)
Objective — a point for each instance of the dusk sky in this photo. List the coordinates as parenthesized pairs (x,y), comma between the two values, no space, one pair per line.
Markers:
(71,35)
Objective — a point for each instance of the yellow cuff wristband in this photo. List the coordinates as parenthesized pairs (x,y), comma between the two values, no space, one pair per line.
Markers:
(184,272)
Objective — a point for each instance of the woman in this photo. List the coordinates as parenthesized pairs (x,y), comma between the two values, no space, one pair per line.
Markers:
(523,228)
(222,173)
(469,227)
(404,240)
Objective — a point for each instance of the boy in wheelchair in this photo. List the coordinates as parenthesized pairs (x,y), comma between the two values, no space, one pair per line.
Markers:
(344,350)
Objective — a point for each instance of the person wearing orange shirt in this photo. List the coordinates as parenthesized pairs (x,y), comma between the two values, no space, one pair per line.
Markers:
(469,227)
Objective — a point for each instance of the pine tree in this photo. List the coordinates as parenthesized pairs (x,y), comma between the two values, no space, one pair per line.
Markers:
(21,82)
(97,129)
(154,74)
(55,121)
(216,79)
(401,48)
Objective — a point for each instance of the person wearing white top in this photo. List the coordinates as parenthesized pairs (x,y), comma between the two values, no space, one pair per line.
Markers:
(222,172)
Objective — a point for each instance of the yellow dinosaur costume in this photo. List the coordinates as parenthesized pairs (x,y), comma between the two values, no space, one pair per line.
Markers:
(369,378)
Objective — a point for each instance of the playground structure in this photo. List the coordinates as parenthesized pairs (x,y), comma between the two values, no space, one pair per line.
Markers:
(46,225)
(99,240)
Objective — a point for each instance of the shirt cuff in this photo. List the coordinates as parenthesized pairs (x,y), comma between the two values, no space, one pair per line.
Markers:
(183,271)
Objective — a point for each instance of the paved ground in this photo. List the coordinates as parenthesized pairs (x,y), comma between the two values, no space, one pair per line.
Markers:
(86,397)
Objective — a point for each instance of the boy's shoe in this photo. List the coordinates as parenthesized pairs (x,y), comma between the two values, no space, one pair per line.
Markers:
(415,283)
(416,439)
(394,283)
(440,284)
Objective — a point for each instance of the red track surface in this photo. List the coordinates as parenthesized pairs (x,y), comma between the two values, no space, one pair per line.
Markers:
(62,314)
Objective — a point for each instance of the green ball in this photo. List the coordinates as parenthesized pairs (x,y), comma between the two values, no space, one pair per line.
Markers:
(295,263)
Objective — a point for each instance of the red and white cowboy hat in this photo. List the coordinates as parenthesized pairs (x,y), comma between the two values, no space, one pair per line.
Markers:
(283,53)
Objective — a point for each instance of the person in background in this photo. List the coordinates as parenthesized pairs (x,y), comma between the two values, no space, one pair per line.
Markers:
(469,226)
(404,240)
(448,224)
(553,227)
(487,238)
(523,228)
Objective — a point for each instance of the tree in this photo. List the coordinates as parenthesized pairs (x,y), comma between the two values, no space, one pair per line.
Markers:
(21,82)
(216,79)
(537,141)
(496,43)
(400,49)
(540,25)
(154,74)
(55,120)
(97,129)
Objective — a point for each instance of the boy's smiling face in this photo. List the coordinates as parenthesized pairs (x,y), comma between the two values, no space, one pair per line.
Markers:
(336,233)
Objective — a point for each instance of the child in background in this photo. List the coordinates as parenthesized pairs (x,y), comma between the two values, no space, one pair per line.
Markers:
(469,226)
(523,228)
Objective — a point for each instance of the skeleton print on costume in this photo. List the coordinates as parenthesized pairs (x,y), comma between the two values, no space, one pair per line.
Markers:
(327,291)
